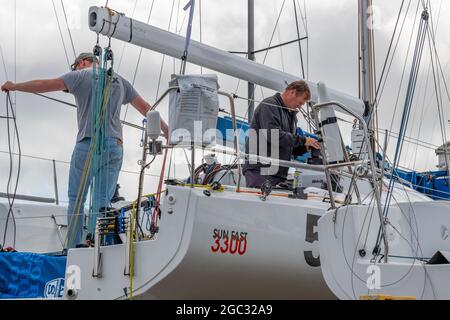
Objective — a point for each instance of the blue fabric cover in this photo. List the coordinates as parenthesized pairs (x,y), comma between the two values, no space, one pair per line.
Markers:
(31,275)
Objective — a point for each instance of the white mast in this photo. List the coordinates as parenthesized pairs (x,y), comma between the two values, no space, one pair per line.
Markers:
(251,55)
(366,55)
(118,26)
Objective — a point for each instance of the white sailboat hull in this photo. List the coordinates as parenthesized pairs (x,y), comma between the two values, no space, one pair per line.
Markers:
(280,259)
(415,231)
(272,249)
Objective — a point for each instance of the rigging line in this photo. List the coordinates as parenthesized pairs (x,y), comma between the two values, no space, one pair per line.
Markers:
(176,28)
(182,22)
(74,106)
(11,201)
(3,61)
(15,49)
(125,43)
(68,29)
(303,17)
(271,39)
(355,250)
(421,35)
(410,102)
(299,42)
(305,26)
(439,67)
(433,31)
(274,30)
(351,268)
(428,75)
(9,179)
(184,58)
(415,107)
(164,56)
(411,140)
(139,59)
(67,162)
(412,185)
(404,69)
(438,90)
(414,233)
(389,49)
(15,77)
(391,133)
(380,89)
(423,109)
(279,39)
(60,33)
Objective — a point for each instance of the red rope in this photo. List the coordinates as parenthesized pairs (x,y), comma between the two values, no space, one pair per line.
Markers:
(158,194)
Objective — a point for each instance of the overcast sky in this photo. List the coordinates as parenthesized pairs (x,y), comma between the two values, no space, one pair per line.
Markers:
(33,49)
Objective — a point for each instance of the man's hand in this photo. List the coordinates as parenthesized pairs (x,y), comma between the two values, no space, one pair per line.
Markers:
(8,86)
(311,142)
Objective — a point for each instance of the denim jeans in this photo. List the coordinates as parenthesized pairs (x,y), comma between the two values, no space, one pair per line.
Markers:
(110,167)
(254,179)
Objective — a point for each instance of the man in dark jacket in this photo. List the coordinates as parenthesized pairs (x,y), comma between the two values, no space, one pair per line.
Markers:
(276,114)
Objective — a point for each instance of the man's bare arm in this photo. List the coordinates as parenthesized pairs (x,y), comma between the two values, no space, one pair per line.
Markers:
(143,106)
(35,86)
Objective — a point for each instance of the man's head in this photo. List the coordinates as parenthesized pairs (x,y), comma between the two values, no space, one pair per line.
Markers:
(296,94)
(84,60)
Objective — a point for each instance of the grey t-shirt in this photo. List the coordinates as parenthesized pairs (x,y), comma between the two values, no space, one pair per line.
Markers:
(79,83)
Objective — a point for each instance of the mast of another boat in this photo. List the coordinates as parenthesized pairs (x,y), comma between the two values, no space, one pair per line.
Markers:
(366,64)
(251,56)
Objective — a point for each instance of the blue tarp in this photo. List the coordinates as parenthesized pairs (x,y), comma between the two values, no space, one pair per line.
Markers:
(31,275)
(225,127)
(432,183)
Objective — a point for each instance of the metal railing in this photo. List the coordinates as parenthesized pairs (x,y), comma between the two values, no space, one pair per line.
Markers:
(371,162)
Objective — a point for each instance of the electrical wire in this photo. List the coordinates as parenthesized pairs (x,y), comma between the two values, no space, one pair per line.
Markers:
(11,200)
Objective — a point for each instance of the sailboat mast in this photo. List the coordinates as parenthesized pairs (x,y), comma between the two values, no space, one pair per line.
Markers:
(364,50)
(365,54)
(251,56)
(367,81)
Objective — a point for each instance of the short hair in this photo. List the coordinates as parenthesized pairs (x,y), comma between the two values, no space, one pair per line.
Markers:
(300,86)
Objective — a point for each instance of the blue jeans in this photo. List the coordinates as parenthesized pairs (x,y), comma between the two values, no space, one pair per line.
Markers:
(110,167)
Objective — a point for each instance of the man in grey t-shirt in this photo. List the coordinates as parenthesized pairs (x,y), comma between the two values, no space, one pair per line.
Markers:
(79,83)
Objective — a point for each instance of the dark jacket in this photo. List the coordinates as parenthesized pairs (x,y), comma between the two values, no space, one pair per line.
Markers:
(270,117)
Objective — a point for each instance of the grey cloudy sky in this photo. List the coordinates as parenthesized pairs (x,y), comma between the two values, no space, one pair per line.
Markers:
(48,129)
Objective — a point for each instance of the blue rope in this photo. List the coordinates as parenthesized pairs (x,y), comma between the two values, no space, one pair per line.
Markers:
(100,150)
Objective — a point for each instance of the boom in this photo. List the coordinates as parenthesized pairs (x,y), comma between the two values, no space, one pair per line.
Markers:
(116,25)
